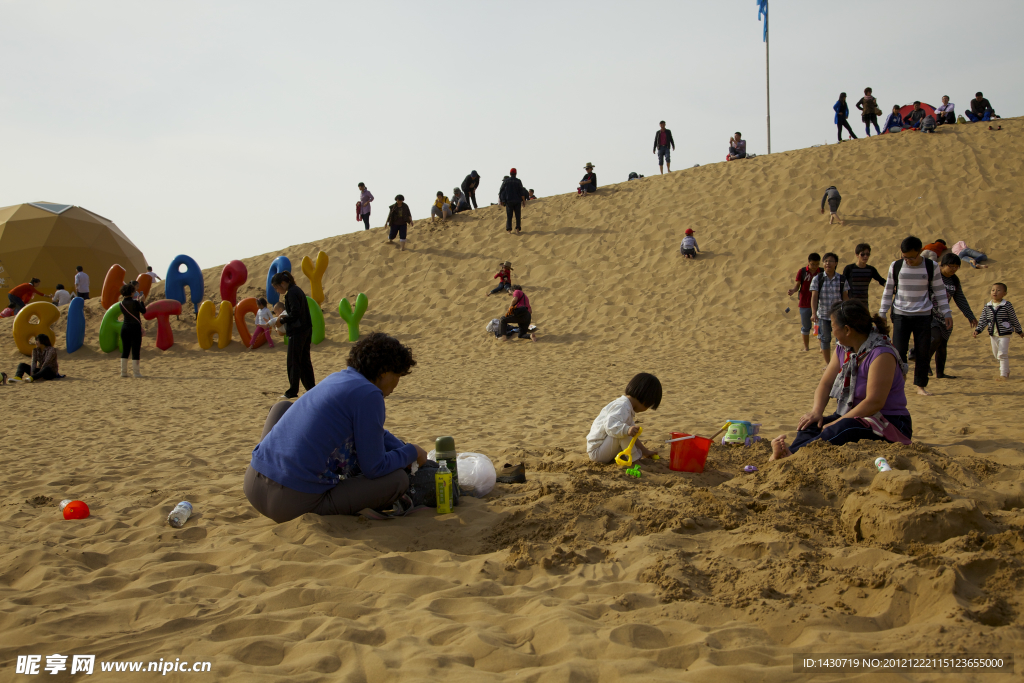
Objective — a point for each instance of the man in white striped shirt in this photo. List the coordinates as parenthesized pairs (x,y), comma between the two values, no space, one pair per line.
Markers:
(913,288)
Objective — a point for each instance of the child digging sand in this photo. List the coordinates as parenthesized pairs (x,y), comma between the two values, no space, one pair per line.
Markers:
(615,426)
(1001,321)
(265,321)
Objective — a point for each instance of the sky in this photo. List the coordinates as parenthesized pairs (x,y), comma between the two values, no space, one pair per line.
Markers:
(227,129)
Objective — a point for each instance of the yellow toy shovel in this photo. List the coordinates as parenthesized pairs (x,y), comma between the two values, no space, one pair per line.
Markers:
(625,458)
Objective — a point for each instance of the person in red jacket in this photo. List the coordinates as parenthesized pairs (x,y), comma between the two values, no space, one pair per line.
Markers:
(22,294)
(504,274)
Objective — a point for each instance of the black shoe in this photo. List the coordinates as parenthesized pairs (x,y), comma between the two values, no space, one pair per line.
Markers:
(945,377)
(513,474)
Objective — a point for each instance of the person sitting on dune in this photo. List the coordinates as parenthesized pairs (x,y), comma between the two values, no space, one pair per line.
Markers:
(866,377)
(972,256)
(894,122)
(328,453)
(737,147)
(519,312)
(43,366)
(615,426)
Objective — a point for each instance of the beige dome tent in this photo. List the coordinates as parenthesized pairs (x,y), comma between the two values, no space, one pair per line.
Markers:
(47,241)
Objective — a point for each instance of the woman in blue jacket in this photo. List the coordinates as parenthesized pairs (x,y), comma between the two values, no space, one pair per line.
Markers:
(894,122)
(842,110)
(328,453)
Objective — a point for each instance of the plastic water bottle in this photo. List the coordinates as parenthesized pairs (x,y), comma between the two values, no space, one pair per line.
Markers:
(443,488)
(444,449)
(882,464)
(180,514)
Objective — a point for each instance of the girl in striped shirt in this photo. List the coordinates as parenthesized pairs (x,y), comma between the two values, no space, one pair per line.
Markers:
(1001,320)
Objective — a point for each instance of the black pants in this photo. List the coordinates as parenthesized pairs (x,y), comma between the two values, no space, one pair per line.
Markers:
(366,220)
(948,117)
(521,316)
(843,123)
(733,152)
(131,341)
(517,211)
(839,430)
(939,345)
(920,326)
(16,304)
(41,374)
(300,365)
(870,120)
(471,198)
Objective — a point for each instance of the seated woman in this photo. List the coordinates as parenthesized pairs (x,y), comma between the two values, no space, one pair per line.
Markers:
(894,122)
(328,453)
(866,377)
(44,363)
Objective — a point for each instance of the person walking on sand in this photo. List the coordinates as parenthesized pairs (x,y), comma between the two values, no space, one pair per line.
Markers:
(913,288)
(399,220)
(827,289)
(133,310)
(860,274)
(804,276)
(949,265)
(511,197)
(298,325)
(365,198)
(154,278)
(81,283)
(833,198)
(1000,320)
(842,110)
(469,186)
(870,112)
(663,146)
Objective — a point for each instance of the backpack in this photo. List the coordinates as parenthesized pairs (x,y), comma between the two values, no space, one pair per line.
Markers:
(897,266)
(634,176)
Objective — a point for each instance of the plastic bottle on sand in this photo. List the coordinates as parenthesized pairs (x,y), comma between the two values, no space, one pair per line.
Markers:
(443,488)
(180,514)
(882,464)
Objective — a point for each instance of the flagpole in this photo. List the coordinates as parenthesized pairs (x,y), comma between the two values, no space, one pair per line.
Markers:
(768,80)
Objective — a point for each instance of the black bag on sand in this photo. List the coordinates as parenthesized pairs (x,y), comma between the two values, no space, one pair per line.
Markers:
(422,488)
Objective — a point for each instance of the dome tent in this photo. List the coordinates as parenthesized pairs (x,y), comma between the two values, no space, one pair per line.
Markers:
(47,240)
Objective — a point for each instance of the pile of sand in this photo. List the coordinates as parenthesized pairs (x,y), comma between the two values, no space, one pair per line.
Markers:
(582,571)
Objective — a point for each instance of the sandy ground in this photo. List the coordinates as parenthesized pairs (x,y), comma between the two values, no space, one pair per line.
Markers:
(582,573)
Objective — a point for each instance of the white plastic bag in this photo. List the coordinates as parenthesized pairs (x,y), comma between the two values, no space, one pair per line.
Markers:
(492,326)
(477,475)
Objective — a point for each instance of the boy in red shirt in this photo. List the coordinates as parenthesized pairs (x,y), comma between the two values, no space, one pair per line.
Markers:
(504,274)
(22,294)
(803,279)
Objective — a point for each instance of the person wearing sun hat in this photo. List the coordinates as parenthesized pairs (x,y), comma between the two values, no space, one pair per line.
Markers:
(689,246)
(511,197)
(504,275)
(589,182)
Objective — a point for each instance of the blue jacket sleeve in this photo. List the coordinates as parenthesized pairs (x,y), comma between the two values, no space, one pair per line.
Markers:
(378,452)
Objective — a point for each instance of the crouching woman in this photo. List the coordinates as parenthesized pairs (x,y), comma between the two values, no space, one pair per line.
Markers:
(866,377)
(328,453)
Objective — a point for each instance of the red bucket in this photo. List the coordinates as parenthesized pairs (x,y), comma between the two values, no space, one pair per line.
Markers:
(689,455)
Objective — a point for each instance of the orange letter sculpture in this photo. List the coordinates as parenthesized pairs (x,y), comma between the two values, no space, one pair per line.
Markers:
(112,286)
(162,310)
(47,313)
(246,306)
(207,325)
(315,275)
(145,281)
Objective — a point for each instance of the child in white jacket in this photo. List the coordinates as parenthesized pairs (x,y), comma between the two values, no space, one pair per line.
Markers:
(616,425)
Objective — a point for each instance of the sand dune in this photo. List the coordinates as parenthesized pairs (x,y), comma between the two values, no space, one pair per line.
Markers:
(582,573)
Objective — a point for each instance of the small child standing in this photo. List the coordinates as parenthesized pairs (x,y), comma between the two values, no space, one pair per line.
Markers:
(615,426)
(264,322)
(504,274)
(1001,320)
(689,248)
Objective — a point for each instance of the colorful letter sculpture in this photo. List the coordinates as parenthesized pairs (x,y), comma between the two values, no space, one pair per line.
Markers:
(232,277)
(145,281)
(112,284)
(74,337)
(246,306)
(47,313)
(110,329)
(207,325)
(316,314)
(316,276)
(280,264)
(162,310)
(351,317)
(174,283)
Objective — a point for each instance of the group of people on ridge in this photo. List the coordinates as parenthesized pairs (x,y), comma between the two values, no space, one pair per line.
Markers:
(917,119)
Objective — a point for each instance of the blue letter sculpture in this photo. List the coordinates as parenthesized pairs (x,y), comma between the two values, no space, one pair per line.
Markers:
(75,334)
(174,283)
(280,264)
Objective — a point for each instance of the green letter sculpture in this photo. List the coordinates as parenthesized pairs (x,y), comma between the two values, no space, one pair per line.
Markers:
(317,316)
(351,317)
(110,329)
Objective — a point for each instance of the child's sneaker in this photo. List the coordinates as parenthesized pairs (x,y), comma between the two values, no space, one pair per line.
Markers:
(29,379)
(15,379)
